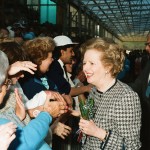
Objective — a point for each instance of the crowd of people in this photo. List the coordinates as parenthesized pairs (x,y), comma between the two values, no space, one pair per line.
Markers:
(45,80)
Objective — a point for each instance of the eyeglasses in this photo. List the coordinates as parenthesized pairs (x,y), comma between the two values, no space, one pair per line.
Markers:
(8,83)
(147,44)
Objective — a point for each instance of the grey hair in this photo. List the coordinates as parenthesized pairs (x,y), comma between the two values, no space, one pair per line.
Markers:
(4,66)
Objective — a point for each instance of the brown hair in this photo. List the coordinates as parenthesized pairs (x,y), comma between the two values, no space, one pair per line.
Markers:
(112,54)
(38,49)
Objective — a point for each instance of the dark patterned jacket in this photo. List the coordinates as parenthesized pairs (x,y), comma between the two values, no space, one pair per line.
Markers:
(118,110)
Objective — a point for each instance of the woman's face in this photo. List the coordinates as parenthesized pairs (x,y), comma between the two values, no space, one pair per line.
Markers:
(93,67)
(46,63)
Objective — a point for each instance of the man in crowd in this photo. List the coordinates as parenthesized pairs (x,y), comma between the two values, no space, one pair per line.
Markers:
(142,87)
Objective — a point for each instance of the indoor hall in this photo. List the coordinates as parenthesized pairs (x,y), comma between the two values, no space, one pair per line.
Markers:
(122,22)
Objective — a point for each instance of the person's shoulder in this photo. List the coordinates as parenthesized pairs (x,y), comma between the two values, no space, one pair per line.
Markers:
(127,94)
(55,65)
(55,62)
(124,87)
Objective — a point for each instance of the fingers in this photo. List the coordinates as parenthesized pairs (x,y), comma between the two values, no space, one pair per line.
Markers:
(10,132)
(7,126)
(68,99)
(22,66)
(82,123)
(62,136)
(58,97)
(8,129)
(7,134)
(68,128)
(63,108)
(18,96)
(27,69)
(12,137)
(55,108)
(61,99)
(29,64)
(62,130)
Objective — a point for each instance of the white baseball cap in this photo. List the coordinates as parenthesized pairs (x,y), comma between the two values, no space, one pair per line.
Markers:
(63,40)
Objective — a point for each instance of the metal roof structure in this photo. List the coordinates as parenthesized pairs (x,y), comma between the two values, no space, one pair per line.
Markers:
(129,20)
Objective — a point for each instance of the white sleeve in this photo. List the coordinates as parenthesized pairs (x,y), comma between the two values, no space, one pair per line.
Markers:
(38,100)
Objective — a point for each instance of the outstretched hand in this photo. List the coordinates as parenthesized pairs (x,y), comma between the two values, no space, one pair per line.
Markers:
(22,66)
(68,100)
(7,135)
(60,129)
(55,108)
(20,109)
(52,95)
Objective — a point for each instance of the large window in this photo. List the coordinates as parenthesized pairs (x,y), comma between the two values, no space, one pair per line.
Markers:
(47,11)
(45,8)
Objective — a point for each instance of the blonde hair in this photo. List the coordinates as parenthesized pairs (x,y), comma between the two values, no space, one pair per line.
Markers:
(112,55)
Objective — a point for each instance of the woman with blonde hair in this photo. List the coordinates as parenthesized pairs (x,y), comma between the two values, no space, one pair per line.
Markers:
(116,120)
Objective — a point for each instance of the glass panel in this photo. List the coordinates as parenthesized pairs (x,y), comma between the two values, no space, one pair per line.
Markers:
(48,12)
(32,2)
(44,1)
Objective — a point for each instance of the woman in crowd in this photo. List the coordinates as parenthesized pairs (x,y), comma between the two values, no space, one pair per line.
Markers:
(15,53)
(38,126)
(39,51)
(117,119)
(5,137)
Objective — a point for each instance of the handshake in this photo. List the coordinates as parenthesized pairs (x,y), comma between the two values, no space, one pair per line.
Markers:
(57,104)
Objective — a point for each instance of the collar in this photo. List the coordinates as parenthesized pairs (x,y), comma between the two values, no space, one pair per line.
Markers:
(38,81)
(61,63)
(62,66)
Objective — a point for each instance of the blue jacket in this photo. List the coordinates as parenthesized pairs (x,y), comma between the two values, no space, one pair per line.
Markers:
(31,137)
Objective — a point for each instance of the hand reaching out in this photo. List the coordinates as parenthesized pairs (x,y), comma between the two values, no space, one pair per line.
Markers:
(60,129)
(55,96)
(55,108)
(81,76)
(22,66)
(20,109)
(7,135)
(68,100)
